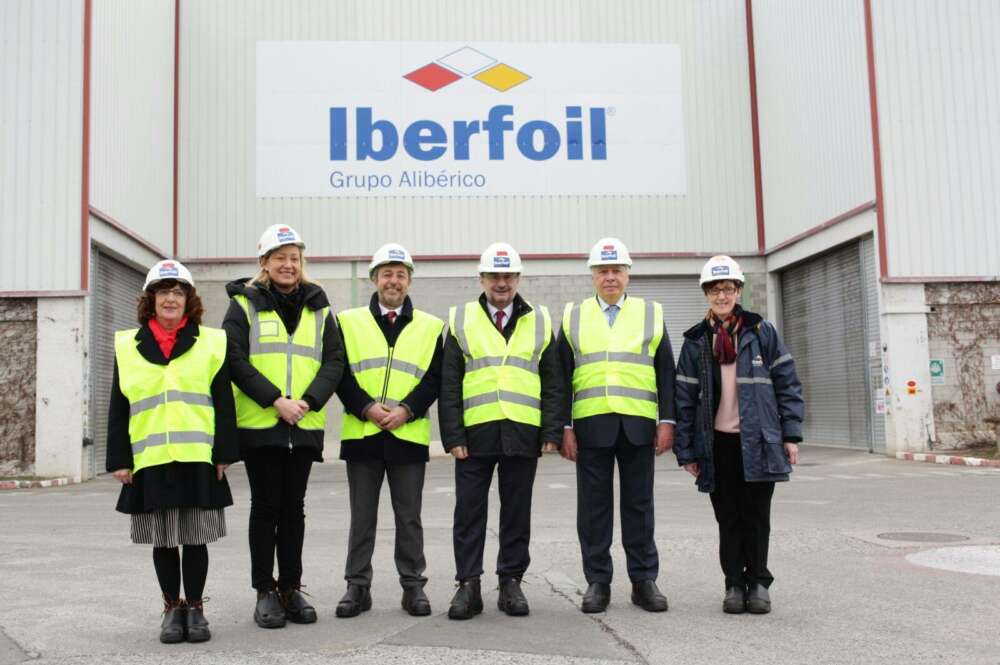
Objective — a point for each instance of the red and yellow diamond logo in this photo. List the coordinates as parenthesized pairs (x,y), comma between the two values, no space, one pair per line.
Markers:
(467,62)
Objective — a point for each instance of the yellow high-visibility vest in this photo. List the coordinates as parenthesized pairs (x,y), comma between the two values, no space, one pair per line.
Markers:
(171,413)
(388,373)
(501,379)
(613,365)
(290,362)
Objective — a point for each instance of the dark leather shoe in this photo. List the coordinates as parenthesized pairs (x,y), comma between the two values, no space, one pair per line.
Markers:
(467,601)
(735,601)
(196,623)
(172,627)
(648,597)
(297,608)
(596,598)
(512,600)
(758,600)
(356,600)
(415,602)
(269,613)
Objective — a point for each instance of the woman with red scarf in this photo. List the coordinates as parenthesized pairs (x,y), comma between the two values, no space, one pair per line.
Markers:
(171,435)
(739,423)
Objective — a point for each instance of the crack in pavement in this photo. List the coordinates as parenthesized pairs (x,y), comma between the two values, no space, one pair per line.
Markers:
(27,654)
(602,624)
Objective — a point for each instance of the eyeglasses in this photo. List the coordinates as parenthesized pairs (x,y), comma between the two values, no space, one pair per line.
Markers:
(176,292)
(717,291)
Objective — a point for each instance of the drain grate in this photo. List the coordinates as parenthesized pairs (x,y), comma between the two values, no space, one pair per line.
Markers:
(923,537)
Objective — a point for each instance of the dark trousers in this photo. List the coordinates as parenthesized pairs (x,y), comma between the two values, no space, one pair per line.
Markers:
(278,480)
(743,511)
(595,509)
(406,487)
(473,477)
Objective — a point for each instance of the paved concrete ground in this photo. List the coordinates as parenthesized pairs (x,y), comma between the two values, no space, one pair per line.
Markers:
(75,591)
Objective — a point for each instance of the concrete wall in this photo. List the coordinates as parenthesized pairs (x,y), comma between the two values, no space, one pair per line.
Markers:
(17,385)
(961,324)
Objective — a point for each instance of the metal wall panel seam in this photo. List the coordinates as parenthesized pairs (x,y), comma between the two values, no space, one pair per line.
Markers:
(85,180)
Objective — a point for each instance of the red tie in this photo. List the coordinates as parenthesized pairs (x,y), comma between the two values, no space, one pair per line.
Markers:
(499,317)
(392,317)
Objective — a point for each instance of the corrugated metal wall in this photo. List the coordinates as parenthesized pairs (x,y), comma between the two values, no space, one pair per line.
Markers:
(937,67)
(815,125)
(132,115)
(220,216)
(41,93)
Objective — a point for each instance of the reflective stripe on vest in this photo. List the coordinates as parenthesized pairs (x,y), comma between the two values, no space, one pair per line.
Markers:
(290,362)
(501,379)
(613,365)
(171,413)
(388,374)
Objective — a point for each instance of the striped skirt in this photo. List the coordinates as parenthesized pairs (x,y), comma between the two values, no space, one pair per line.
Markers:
(171,527)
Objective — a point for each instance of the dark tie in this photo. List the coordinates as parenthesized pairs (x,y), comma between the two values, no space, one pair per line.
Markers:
(499,317)
(392,318)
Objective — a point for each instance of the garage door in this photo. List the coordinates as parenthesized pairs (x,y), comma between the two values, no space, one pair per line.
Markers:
(682,300)
(113,307)
(830,319)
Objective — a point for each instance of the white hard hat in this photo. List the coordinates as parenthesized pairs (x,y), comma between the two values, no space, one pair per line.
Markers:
(278,235)
(500,257)
(721,268)
(609,252)
(168,269)
(390,253)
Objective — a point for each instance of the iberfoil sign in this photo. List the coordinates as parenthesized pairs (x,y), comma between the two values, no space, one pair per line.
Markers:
(484,119)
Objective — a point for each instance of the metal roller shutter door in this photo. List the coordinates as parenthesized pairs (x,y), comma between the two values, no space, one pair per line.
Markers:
(113,307)
(823,310)
(683,303)
(876,386)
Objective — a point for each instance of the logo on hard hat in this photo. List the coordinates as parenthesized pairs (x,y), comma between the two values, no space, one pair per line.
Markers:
(285,234)
(609,253)
(501,260)
(720,270)
(397,255)
(168,269)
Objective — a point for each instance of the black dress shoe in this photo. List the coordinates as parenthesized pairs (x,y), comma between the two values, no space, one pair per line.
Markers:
(297,608)
(648,597)
(596,598)
(415,602)
(735,601)
(467,601)
(758,600)
(356,600)
(196,623)
(172,627)
(269,613)
(512,600)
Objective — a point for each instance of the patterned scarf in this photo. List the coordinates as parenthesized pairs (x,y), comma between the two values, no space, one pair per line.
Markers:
(725,332)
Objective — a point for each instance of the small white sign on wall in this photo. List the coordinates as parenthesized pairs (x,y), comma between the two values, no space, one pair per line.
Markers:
(995,360)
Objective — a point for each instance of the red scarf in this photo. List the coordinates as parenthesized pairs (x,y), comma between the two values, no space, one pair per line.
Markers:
(725,331)
(166,338)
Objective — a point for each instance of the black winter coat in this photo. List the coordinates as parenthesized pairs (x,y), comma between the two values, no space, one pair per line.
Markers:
(384,446)
(257,386)
(501,437)
(177,484)
(769,395)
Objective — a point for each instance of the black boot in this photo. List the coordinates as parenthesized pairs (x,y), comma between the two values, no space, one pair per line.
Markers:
(172,627)
(467,601)
(415,601)
(596,598)
(297,609)
(358,599)
(758,600)
(269,613)
(512,600)
(196,623)
(648,597)
(735,601)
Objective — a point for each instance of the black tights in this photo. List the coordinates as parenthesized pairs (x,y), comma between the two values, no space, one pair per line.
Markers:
(167,562)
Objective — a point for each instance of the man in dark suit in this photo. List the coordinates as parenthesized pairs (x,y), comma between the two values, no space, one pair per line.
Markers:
(619,371)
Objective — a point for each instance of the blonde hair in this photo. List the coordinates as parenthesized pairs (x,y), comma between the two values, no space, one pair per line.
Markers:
(263,278)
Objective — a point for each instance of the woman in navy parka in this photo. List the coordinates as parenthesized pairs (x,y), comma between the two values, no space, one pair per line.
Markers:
(739,422)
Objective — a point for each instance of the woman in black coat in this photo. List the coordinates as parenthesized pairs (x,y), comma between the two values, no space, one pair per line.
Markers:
(171,435)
